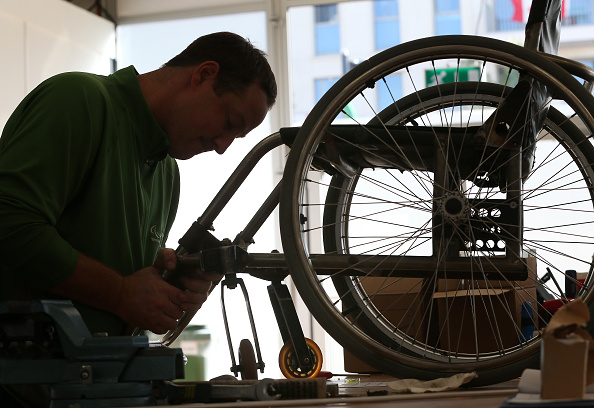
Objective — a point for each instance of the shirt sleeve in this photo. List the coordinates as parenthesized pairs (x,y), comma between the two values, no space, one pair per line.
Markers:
(46,149)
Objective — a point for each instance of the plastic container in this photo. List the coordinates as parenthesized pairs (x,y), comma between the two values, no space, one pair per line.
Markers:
(194,342)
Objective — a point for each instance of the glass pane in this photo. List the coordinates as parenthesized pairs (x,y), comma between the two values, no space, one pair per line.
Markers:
(327,39)
(448,24)
(577,12)
(389,91)
(332,49)
(387,34)
(366,27)
(326,13)
(322,86)
(385,8)
(507,17)
(447,5)
(147,46)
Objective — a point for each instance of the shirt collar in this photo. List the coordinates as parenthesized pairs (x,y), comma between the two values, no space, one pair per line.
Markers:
(153,141)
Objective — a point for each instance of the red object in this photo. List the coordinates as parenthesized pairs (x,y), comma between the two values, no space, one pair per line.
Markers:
(518,11)
(328,374)
(553,305)
(580,284)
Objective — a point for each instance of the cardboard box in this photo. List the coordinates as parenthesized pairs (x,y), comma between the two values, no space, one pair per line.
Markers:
(497,305)
(399,300)
(564,364)
(353,365)
(479,320)
(402,310)
(388,286)
(566,368)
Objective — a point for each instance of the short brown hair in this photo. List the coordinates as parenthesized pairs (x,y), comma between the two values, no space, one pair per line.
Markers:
(240,63)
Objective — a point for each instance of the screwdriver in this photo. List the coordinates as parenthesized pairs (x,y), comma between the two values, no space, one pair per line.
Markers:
(328,374)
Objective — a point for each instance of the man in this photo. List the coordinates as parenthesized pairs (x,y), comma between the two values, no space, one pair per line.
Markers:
(89,186)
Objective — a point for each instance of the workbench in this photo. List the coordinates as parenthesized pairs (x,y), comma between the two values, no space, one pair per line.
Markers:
(356,397)
(125,371)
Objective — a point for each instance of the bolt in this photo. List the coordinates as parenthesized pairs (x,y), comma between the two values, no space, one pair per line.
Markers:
(86,374)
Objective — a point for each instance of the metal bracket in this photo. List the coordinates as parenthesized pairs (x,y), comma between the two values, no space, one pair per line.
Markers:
(231,281)
(288,323)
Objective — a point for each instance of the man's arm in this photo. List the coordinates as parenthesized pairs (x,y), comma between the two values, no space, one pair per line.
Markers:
(142,299)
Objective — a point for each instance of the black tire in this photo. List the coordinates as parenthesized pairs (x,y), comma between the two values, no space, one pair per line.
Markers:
(247,360)
(351,315)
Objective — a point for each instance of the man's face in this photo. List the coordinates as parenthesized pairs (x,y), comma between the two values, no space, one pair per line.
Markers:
(204,121)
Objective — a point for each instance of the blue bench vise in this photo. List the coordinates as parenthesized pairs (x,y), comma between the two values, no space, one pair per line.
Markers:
(47,342)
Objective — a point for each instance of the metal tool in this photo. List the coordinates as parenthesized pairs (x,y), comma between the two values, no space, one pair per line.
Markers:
(212,391)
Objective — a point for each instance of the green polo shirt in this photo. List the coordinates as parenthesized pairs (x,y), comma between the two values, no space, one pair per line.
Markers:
(83,167)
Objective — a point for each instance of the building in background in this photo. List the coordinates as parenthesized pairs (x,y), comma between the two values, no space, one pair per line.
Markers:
(327,40)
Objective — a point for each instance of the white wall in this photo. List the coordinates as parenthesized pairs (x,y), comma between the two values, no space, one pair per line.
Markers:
(41,38)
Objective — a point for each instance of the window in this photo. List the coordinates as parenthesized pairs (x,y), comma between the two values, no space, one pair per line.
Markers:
(326,13)
(322,86)
(577,12)
(387,26)
(327,29)
(447,17)
(147,46)
(389,91)
(512,14)
(508,15)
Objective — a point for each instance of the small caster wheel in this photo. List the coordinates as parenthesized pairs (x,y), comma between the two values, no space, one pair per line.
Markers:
(247,361)
(289,366)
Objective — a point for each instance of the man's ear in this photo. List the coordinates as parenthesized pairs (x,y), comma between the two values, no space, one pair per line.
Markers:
(207,70)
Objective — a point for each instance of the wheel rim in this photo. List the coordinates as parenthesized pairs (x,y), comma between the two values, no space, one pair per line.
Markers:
(453,202)
(334,242)
(289,365)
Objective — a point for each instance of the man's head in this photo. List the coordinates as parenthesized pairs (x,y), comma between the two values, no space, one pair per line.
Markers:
(240,63)
(220,88)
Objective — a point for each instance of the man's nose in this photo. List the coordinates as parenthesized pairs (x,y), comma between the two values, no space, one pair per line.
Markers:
(223,142)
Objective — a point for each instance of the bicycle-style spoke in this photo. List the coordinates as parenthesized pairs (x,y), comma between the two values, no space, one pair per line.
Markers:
(565,176)
(449,201)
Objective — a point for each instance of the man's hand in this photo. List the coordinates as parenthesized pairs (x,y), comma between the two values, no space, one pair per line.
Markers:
(149,302)
(195,283)
(143,299)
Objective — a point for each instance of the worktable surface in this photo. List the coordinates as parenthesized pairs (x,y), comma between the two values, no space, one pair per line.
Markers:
(356,397)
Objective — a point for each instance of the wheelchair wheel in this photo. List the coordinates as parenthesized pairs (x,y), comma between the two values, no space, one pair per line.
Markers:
(432,216)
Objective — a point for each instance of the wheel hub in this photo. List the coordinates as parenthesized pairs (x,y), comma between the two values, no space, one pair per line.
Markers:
(454,207)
